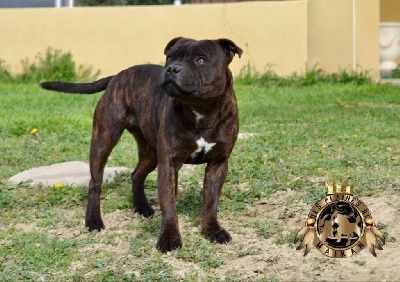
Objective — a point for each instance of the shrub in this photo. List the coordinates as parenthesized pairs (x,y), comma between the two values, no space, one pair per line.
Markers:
(5,75)
(248,76)
(394,74)
(53,65)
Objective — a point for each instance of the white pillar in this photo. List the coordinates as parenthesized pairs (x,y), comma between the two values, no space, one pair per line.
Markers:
(71,3)
(57,3)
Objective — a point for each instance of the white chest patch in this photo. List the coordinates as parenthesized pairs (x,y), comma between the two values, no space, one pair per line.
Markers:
(198,116)
(202,145)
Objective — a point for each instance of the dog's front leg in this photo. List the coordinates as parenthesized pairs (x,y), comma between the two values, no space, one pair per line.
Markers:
(214,179)
(170,238)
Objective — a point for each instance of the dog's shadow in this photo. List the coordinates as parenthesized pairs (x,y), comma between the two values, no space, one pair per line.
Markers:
(189,204)
(118,195)
(189,199)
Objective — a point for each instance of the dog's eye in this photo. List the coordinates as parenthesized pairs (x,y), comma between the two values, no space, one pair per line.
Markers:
(201,60)
(169,59)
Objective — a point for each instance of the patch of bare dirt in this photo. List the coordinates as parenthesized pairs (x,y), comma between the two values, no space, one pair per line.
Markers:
(284,262)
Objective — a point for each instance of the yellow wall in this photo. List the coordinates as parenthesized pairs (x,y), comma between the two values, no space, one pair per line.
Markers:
(330,35)
(367,36)
(390,10)
(286,35)
(115,38)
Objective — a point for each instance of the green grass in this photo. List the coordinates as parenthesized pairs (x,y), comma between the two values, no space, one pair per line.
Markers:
(305,135)
(33,253)
(319,131)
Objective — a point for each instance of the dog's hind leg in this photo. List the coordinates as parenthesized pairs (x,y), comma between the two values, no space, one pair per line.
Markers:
(147,163)
(106,134)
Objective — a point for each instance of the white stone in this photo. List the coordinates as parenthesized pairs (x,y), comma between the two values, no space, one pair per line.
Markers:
(68,173)
(246,135)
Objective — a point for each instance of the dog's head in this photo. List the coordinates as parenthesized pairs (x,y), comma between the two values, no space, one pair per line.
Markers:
(197,70)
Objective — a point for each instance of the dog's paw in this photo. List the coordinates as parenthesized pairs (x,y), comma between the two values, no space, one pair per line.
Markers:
(145,210)
(169,243)
(95,223)
(218,235)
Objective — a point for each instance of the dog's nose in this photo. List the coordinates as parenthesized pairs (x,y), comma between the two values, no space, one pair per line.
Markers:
(174,69)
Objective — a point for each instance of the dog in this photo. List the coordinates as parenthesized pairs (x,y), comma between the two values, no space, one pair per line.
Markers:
(182,113)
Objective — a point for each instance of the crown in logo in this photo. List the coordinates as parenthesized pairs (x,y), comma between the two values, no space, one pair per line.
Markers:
(344,189)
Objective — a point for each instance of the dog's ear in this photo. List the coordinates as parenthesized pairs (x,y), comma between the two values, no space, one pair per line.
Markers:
(170,44)
(230,48)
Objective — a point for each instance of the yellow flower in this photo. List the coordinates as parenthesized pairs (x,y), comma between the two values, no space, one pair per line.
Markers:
(58,185)
(33,131)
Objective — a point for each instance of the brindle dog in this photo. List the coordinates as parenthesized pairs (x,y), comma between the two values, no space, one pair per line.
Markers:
(183,113)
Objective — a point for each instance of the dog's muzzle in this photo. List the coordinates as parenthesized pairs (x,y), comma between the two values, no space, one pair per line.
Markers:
(172,75)
(179,83)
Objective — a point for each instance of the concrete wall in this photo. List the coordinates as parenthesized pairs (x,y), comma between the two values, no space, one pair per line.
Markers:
(286,35)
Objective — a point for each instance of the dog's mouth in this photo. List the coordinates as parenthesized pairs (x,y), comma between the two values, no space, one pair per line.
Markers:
(168,83)
(173,89)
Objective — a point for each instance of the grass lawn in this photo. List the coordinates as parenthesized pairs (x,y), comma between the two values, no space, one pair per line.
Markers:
(305,136)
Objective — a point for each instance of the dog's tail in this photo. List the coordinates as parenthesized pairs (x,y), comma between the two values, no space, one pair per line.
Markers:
(80,88)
